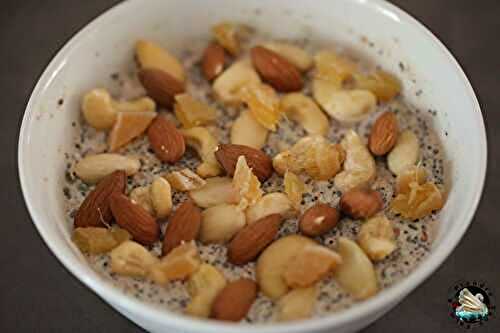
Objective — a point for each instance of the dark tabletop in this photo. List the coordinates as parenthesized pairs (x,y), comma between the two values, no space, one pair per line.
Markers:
(38,294)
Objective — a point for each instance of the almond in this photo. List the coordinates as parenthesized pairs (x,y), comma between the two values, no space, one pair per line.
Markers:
(135,219)
(384,134)
(251,240)
(257,160)
(361,203)
(234,301)
(183,226)
(95,210)
(318,220)
(213,60)
(166,140)
(276,70)
(160,86)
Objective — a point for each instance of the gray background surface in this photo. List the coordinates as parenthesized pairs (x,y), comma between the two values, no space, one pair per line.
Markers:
(38,294)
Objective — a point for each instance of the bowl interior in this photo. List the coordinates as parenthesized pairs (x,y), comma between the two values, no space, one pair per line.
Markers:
(106,46)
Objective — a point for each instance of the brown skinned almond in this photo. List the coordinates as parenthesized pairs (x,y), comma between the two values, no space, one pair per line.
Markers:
(95,210)
(166,140)
(318,220)
(135,219)
(384,134)
(361,204)
(213,61)
(234,301)
(160,86)
(253,239)
(276,70)
(183,226)
(257,160)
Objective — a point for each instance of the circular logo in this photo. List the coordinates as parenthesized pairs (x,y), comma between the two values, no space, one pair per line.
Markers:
(471,303)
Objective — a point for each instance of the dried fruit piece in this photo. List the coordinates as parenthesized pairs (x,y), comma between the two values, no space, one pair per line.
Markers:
(94,240)
(234,301)
(212,62)
(294,54)
(419,202)
(303,110)
(216,191)
(166,140)
(314,155)
(246,185)
(297,304)
(191,112)
(269,204)
(204,286)
(95,210)
(384,134)
(405,153)
(160,86)
(179,264)
(263,103)
(252,239)
(355,274)
(411,174)
(361,203)
(128,126)
(205,144)
(318,220)
(183,226)
(228,85)
(257,160)
(185,180)
(359,166)
(376,237)
(93,168)
(140,195)
(161,197)
(131,259)
(151,55)
(310,265)
(135,219)
(384,85)
(333,68)
(228,34)
(248,132)
(294,189)
(273,262)
(220,223)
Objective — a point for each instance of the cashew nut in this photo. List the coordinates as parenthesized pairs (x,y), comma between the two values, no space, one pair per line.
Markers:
(205,144)
(376,238)
(297,304)
(92,168)
(132,259)
(220,223)
(405,153)
(227,86)
(140,195)
(151,55)
(185,180)
(216,191)
(248,132)
(272,203)
(161,197)
(333,68)
(304,110)
(204,286)
(294,54)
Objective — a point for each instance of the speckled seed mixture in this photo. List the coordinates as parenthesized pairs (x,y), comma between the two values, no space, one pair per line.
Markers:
(413,239)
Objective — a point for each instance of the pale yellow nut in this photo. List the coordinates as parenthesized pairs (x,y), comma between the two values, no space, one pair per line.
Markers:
(355,274)
(178,264)
(229,35)
(248,132)
(220,223)
(205,144)
(141,196)
(216,191)
(405,153)
(204,286)
(303,110)
(409,175)
(247,187)
(191,112)
(131,259)
(272,203)
(92,168)
(294,189)
(376,237)
(334,68)
(297,304)
(294,54)
(95,240)
(185,180)
(264,104)
(359,165)
(160,192)
(227,85)
(151,55)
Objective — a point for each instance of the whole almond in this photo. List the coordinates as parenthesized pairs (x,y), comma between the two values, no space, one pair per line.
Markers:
(276,70)
(361,204)
(253,239)
(384,134)
(95,210)
(166,140)
(318,220)
(257,160)
(183,226)
(234,301)
(135,219)
(213,60)
(160,86)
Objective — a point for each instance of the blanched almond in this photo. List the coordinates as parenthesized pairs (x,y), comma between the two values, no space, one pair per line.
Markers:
(248,132)
(216,191)
(271,203)
(405,153)
(220,223)
(92,168)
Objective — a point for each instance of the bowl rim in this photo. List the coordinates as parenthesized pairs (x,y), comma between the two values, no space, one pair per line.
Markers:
(154,314)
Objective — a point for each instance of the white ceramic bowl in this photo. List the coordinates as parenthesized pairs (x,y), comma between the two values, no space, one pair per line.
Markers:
(106,45)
